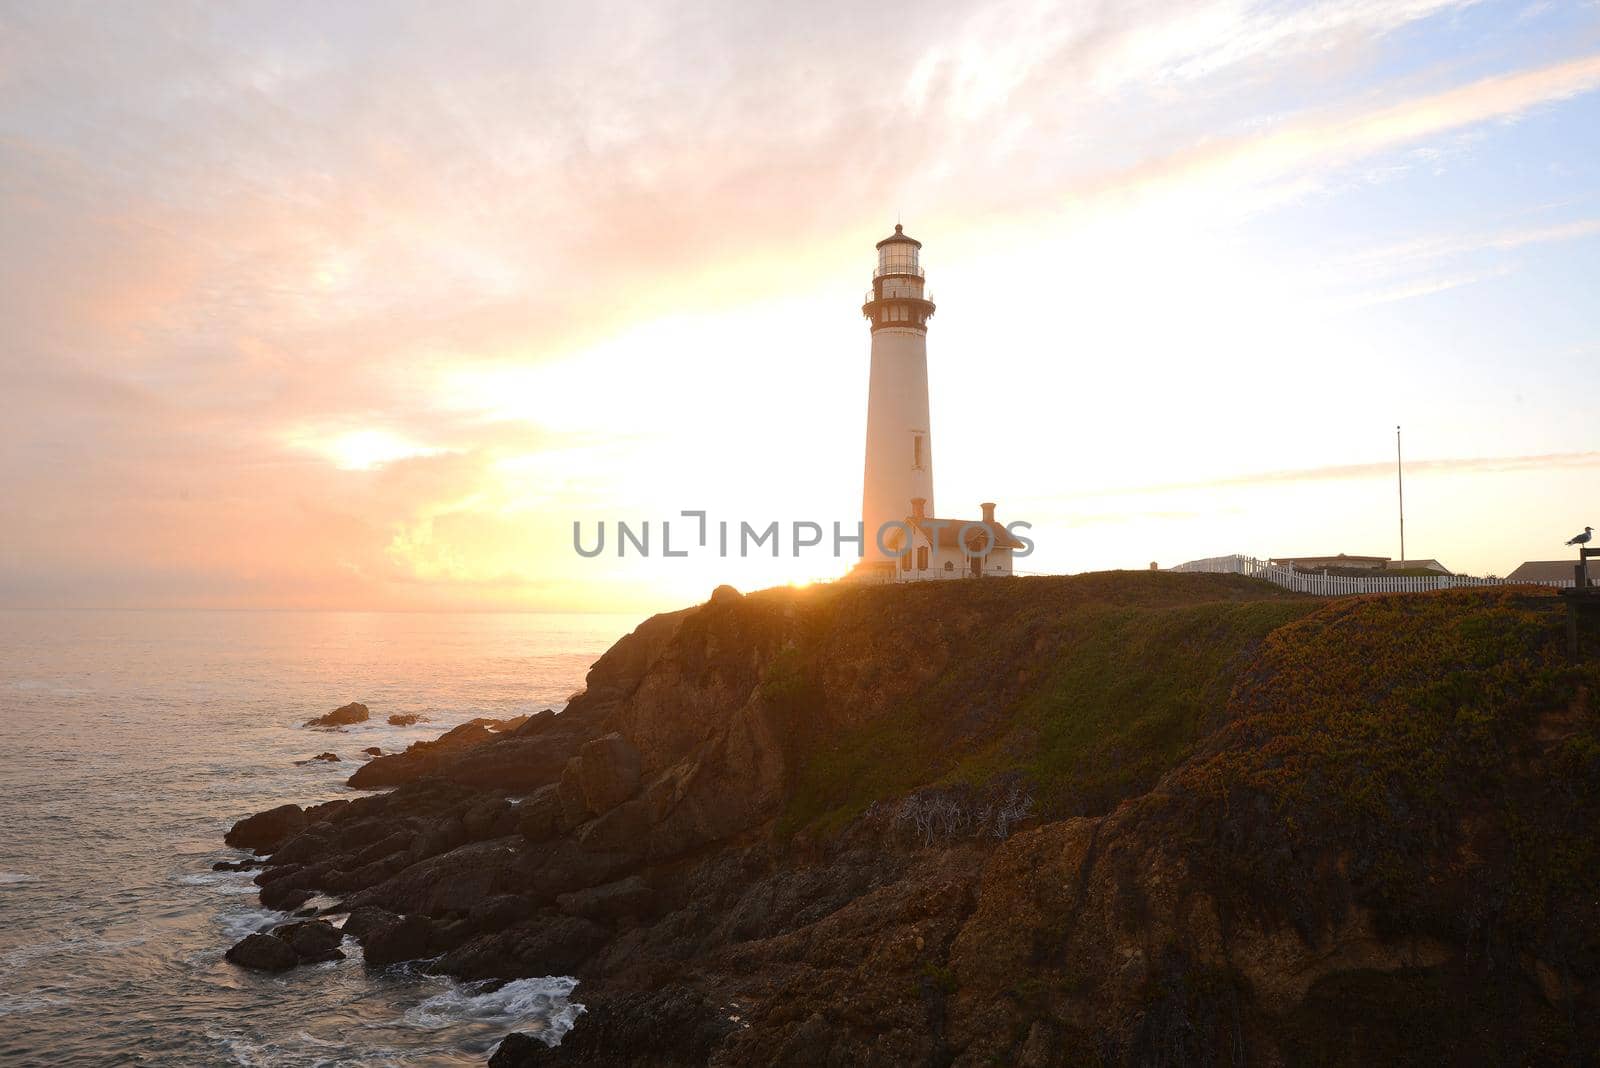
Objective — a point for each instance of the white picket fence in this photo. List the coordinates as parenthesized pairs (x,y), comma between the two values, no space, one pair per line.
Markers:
(1343,585)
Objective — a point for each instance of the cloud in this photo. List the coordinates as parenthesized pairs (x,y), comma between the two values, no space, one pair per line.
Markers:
(247,261)
(1344,472)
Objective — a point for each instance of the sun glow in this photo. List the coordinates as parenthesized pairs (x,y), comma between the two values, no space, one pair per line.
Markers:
(363,450)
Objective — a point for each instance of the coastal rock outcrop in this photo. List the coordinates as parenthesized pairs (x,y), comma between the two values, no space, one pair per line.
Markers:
(1120,819)
(314,941)
(447,755)
(288,945)
(265,831)
(264,953)
(607,772)
(343,716)
(401,938)
(405,719)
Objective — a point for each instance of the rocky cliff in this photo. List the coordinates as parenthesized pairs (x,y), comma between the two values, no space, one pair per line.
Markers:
(1125,818)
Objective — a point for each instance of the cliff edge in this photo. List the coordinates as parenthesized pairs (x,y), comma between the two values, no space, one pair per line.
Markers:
(1122,818)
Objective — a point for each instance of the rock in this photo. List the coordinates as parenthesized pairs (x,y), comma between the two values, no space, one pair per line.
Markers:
(372,750)
(343,716)
(498,912)
(724,594)
(493,817)
(1039,1050)
(263,952)
(517,1049)
(455,881)
(329,758)
(625,829)
(235,865)
(442,837)
(284,897)
(569,791)
(266,831)
(630,897)
(545,945)
(538,721)
(398,842)
(317,813)
(664,1028)
(406,719)
(608,772)
(312,940)
(511,767)
(363,921)
(539,816)
(407,938)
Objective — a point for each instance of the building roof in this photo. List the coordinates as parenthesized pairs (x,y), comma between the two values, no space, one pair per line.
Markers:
(1342,560)
(1542,571)
(1418,565)
(950,532)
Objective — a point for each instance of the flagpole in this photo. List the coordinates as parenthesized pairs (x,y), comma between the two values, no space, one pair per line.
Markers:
(1400,481)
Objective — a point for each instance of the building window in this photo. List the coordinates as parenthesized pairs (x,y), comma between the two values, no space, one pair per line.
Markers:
(949,565)
(916,451)
(922,558)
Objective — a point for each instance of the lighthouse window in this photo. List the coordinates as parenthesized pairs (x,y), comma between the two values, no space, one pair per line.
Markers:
(916,451)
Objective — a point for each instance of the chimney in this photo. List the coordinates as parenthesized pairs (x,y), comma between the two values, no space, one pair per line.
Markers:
(917,505)
(988,511)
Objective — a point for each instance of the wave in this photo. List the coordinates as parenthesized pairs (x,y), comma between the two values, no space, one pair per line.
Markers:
(15,959)
(11,1004)
(223,882)
(236,923)
(539,1006)
(304,1048)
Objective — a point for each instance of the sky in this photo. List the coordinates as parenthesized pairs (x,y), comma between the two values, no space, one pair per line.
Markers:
(365,306)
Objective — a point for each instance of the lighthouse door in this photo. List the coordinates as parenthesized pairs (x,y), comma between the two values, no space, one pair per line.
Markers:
(976,564)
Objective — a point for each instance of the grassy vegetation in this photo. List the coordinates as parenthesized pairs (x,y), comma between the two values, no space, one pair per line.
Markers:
(1430,762)
(1089,687)
(1441,749)
(1435,752)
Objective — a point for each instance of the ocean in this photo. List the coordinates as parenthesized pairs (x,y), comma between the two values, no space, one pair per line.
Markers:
(130,741)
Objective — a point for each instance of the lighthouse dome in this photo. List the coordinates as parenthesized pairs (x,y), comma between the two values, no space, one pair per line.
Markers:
(899,237)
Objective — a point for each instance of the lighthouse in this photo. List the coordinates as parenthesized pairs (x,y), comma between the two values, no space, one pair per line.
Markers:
(899,463)
(897,487)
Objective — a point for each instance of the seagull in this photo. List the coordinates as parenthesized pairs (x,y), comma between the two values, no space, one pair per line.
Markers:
(1582,539)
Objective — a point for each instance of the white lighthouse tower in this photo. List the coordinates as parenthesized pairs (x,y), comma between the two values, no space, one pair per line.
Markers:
(899,466)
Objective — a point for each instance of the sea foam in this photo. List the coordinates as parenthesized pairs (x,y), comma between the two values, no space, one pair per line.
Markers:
(540,1006)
